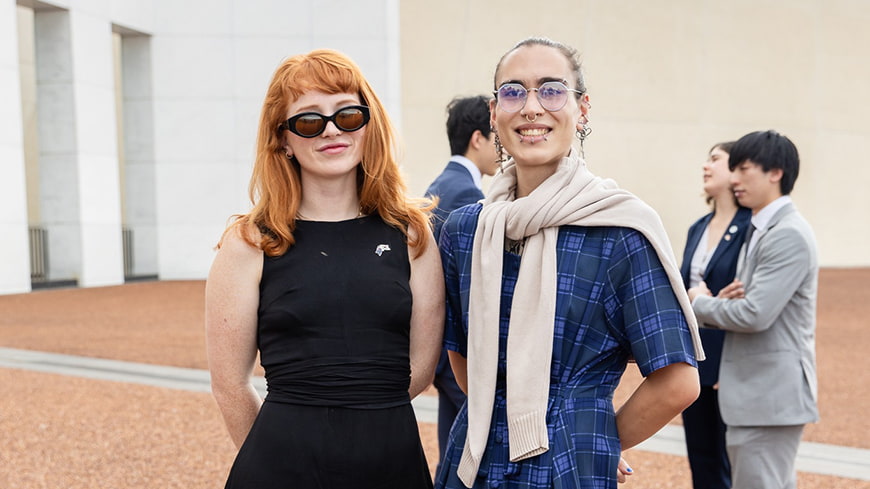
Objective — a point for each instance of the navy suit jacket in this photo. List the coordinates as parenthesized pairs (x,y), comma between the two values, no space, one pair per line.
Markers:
(721,270)
(454,188)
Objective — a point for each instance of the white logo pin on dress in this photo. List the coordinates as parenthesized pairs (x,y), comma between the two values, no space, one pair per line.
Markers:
(381,249)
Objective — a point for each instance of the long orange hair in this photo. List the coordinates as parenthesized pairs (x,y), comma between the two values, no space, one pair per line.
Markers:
(276,189)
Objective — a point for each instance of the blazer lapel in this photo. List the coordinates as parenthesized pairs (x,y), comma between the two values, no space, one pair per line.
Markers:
(692,240)
(745,269)
(786,210)
(726,242)
(696,237)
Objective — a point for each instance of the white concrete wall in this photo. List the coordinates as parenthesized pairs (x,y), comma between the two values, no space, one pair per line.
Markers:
(15,265)
(193,76)
(212,62)
(139,174)
(78,155)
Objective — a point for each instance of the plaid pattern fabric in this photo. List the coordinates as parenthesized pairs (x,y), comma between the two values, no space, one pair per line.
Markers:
(614,303)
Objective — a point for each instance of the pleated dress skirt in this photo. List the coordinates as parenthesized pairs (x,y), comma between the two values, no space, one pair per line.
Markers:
(311,447)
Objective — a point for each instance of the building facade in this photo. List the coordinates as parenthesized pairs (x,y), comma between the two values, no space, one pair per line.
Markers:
(128,128)
(130,134)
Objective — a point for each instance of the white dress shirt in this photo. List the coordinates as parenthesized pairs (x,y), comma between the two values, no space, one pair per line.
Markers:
(761,219)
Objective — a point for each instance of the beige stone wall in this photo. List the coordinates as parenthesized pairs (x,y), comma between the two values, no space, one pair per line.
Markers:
(27,71)
(667,80)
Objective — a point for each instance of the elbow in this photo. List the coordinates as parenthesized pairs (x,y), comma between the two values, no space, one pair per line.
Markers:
(760,325)
(424,364)
(425,378)
(227,392)
(421,378)
(687,390)
(681,387)
(221,392)
(418,384)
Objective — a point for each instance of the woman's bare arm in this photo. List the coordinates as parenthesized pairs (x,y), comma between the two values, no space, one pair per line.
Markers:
(664,394)
(427,316)
(231,301)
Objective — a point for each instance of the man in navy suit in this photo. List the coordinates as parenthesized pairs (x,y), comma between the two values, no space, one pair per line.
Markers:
(472,144)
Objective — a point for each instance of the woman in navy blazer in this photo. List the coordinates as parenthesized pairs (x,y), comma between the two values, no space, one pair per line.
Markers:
(712,248)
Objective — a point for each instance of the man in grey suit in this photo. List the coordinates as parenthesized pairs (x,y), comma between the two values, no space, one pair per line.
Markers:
(767,381)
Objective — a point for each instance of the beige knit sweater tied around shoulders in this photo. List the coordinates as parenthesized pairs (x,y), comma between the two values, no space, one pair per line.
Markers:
(571,196)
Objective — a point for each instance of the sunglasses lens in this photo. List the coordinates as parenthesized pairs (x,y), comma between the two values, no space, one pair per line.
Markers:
(511,97)
(553,95)
(350,119)
(312,124)
(309,125)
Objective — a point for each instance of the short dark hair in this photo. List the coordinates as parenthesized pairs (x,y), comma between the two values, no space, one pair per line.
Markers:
(770,150)
(464,116)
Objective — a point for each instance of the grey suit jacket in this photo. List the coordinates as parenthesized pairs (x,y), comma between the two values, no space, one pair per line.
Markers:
(768,370)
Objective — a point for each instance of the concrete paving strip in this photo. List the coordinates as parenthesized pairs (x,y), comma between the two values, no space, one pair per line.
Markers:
(818,458)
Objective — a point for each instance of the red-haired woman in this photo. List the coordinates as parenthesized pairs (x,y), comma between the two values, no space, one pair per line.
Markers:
(335,280)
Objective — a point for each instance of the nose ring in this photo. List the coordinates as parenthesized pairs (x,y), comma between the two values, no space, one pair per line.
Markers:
(531,120)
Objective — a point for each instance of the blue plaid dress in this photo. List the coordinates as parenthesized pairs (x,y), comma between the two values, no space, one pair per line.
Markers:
(614,302)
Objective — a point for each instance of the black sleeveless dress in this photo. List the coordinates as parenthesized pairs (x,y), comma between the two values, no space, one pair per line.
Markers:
(333,335)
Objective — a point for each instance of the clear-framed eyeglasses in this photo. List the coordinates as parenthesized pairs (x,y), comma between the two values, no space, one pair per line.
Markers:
(552,95)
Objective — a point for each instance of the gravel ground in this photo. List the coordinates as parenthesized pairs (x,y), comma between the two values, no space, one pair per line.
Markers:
(67,432)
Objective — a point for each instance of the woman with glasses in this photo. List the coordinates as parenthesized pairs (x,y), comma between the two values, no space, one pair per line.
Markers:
(334,279)
(554,284)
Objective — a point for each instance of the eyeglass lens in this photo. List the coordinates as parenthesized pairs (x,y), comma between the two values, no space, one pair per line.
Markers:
(312,124)
(552,95)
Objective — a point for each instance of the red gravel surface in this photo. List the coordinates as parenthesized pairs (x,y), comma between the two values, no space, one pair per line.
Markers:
(66,432)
